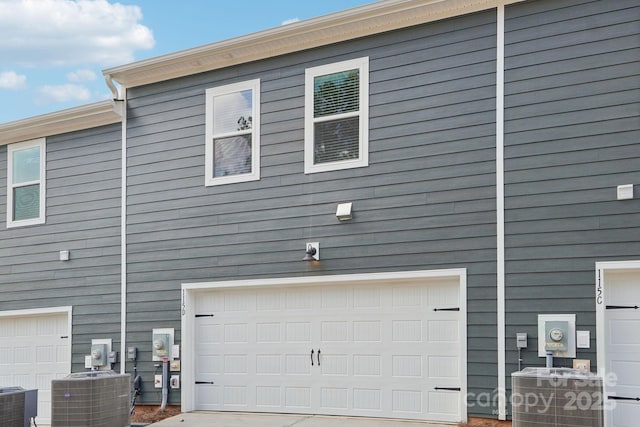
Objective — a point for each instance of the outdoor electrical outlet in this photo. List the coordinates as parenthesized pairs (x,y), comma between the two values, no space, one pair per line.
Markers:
(174,381)
(157,381)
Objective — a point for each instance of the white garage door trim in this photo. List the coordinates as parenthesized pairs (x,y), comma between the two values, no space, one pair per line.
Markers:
(602,289)
(36,312)
(190,291)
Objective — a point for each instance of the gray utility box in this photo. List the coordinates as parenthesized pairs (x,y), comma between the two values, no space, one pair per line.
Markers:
(91,399)
(17,406)
(556,397)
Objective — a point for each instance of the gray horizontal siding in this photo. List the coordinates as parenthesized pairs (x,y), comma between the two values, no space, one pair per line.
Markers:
(426,201)
(83,216)
(571,134)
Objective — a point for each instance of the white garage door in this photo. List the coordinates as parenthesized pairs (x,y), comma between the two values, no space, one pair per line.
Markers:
(370,350)
(622,320)
(33,351)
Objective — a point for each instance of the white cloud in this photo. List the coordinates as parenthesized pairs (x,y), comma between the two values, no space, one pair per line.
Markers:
(81,76)
(68,32)
(64,93)
(12,80)
(290,21)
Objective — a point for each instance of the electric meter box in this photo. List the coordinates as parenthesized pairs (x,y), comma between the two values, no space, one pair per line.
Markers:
(99,354)
(162,344)
(556,336)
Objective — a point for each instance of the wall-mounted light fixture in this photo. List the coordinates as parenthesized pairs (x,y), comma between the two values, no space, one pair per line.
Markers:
(343,213)
(312,252)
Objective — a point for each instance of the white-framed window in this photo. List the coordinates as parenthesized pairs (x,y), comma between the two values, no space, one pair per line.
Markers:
(26,183)
(337,116)
(232,152)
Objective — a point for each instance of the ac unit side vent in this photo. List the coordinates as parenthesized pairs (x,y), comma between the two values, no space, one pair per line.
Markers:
(554,397)
(92,399)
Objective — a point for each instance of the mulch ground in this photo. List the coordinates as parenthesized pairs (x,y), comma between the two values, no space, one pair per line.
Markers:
(485,422)
(153,414)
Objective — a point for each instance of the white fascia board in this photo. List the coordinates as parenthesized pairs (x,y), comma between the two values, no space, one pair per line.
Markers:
(374,18)
(59,122)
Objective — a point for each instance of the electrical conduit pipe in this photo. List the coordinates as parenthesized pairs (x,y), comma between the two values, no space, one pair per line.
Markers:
(165,382)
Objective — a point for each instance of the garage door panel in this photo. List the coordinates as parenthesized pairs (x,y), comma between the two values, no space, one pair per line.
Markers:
(407,401)
(298,332)
(626,414)
(443,403)
(623,332)
(335,365)
(209,332)
(443,367)
(34,350)
(208,397)
(268,364)
(334,398)
(335,298)
(377,351)
(268,332)
(367,298)
(622,353)
(367,364)
(367,399)
(268,397)
(298,398)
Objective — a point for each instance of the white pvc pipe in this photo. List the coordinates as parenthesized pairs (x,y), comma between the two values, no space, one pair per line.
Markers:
(165,383)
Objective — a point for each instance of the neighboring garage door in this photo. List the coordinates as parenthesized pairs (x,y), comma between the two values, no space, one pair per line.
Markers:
(379,350)
(34,350)
(622,352)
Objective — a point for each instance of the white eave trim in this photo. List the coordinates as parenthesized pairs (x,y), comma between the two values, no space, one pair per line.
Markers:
(69,120)
(353,23)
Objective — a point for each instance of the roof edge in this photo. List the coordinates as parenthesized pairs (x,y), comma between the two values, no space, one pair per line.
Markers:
(63,121)
(349,24)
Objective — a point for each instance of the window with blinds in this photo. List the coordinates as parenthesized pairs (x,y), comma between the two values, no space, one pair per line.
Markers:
(26,172)
(336,116)
(232,152)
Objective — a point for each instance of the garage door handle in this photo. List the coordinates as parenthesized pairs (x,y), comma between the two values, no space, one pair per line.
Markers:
(637,399)
(318,357)
(311,357)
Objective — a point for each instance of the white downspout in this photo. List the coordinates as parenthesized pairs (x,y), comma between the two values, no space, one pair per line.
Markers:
(123,236)
(112,87)
(500,212)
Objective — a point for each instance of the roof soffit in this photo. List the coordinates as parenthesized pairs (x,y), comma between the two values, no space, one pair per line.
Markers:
(83,117)
(366,20)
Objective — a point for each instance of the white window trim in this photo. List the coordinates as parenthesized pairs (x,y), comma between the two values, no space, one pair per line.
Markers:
(40,142)
(310,73)
(254,175)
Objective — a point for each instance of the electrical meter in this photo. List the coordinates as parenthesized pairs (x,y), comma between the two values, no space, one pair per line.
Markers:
(556,335)
(98,355)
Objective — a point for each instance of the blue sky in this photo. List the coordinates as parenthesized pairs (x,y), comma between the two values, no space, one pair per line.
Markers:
(52,52)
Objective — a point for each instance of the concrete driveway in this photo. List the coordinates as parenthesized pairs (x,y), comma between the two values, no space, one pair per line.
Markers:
(240,419)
